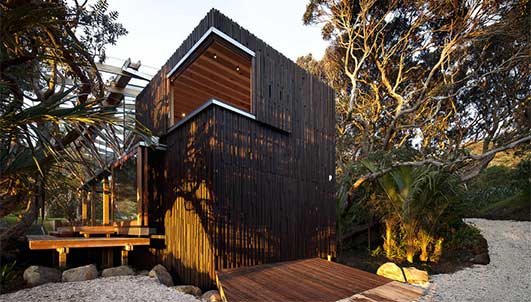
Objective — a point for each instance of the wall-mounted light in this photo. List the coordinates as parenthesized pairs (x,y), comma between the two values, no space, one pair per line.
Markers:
(237,68)
(183,114)
(215,56)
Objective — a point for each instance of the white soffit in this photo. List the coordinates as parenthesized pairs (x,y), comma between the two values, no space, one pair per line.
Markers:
(210,31)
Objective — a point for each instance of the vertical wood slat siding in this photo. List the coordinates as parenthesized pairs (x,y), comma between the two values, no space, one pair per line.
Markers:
(185,213)
(243,215)
(265,196)
(152,104)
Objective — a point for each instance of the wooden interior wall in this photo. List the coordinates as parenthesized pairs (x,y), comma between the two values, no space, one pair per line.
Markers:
(219,71)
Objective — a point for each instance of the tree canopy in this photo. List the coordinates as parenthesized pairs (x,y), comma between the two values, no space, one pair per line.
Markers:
(52,96)
(434,76)
(418,85)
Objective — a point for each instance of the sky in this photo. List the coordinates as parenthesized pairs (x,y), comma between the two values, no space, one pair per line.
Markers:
(158,27)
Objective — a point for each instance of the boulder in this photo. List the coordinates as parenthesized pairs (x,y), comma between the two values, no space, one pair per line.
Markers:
(188,289)
(161,273)
(82,273)
(143,273)
(36,275)
(416,277)
(482,258)
(123,270)
(391,271)
(211,296)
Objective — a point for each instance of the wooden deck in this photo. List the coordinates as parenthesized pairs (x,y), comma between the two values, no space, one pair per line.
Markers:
(100,229)
(52,242)
(313,280)
(63,244)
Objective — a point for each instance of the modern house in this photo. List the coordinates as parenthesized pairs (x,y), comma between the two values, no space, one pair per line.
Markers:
(247,174)
(242,174)
(238,190)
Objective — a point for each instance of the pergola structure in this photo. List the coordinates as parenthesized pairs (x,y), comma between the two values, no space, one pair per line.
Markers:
(121,95)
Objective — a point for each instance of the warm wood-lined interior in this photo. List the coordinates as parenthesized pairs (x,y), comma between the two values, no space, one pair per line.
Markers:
(217,70)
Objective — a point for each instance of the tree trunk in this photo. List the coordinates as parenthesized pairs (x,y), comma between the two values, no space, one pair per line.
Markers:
(477,167)
(389,243)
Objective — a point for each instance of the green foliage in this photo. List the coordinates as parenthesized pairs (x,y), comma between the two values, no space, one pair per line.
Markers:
(464,236)
(51,94)
(414,203)
(499,192)
(427,73)
(52,108)
(516,207)
(350,204)
(63,200)
(7,273)
(125,190)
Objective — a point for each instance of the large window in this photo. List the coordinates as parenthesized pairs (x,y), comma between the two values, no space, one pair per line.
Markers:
(216,67)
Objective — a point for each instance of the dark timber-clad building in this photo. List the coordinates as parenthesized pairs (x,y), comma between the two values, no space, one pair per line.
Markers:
(247,175)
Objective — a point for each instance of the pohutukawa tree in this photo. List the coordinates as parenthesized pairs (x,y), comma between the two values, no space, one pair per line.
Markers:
(51,97)
(427,77)
(433,75)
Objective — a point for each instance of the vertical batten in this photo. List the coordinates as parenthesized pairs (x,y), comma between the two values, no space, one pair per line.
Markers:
(106,199)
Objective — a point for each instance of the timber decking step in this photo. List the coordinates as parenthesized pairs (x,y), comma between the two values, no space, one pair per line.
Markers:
(313,280)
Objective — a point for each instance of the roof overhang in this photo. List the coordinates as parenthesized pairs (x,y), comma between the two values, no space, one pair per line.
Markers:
(210,32)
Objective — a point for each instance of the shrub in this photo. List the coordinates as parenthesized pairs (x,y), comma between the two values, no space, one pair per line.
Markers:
(7,273)
(417,202)
(498,189)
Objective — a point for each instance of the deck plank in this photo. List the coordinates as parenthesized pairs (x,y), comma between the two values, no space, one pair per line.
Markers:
(310,280)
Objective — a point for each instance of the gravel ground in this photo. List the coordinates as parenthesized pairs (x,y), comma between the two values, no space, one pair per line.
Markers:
(123,288)
(506,278)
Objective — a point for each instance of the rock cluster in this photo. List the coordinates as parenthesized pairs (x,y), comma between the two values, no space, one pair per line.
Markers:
(37,275)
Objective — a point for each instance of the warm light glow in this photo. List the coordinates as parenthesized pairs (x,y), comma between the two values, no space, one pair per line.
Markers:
(183,114)
(237,68)
(215,56)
